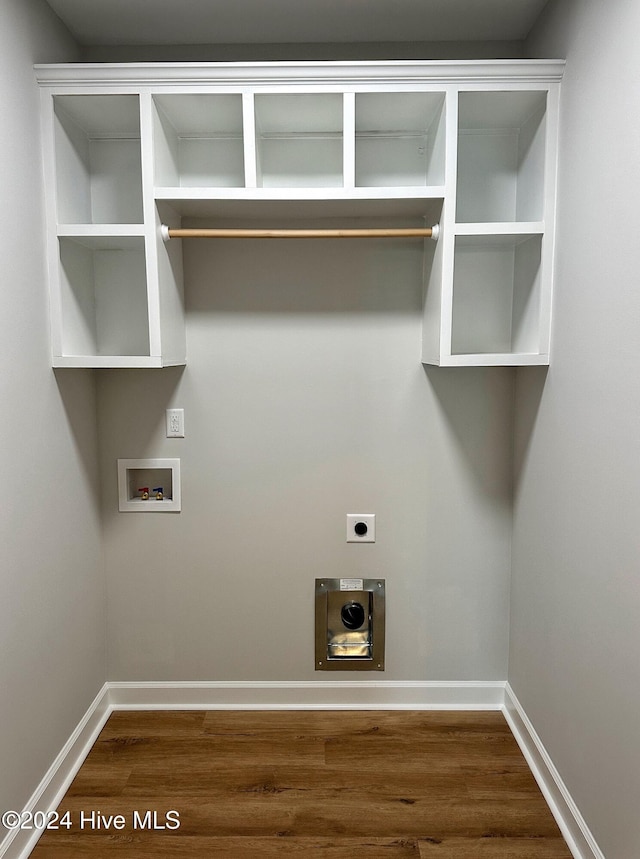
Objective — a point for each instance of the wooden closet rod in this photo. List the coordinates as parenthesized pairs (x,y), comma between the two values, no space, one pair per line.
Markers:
(420,232)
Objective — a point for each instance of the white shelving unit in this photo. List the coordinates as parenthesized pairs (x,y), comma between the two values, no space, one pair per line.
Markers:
(501,277)
(105,283)
(471,146)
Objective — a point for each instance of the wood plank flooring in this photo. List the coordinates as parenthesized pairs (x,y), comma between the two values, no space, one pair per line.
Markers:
(332,785)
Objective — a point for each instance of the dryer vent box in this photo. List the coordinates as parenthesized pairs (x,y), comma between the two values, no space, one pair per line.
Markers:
(350,621)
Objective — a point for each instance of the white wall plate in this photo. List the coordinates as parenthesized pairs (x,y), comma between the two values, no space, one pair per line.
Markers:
(361,527)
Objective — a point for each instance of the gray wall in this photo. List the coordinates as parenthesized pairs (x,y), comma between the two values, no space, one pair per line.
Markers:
(306,51)
(575,604)
(305,399)
(52,629)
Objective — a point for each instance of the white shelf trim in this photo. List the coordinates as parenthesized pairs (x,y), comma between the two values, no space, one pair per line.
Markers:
(100,230)
(501,228)
(362,192)
(353,73)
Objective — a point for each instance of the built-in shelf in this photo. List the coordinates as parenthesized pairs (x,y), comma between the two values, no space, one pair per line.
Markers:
(129,148)
(299,140)
(198,141)
(98,159)
(103,283)
(501,156)
(496,295)
(400,139)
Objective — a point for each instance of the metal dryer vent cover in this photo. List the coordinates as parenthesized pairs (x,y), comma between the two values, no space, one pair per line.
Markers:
(350,624)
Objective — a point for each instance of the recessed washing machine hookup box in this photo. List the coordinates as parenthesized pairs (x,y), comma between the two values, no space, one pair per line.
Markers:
(350,621)
(149,485)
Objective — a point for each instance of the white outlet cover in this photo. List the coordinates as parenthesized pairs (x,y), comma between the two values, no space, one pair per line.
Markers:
(369,519)
(175,423)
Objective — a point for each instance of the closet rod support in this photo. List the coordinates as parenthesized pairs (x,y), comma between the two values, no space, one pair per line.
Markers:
(420,232)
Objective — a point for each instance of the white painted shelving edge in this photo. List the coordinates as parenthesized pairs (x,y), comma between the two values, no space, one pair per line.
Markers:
(263,73)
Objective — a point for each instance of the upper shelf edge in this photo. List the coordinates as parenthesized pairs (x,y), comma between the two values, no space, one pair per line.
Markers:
(396,71)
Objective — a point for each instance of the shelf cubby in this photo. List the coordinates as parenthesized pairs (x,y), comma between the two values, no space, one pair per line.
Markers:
(400,139)
(497,295)
(299,140)
(103,296)
(501,156)
(98,161)
(198,141)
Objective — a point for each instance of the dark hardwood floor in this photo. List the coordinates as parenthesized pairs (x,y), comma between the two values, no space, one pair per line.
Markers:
(332,785)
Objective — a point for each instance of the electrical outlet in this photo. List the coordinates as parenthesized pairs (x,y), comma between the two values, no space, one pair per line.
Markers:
(361,527)
(175,423)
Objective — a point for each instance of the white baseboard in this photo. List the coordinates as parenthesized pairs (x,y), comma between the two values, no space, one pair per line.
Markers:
(308,695)
(18,843)
(572,825)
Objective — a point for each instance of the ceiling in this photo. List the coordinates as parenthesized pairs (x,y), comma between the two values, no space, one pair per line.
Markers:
(193,22)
